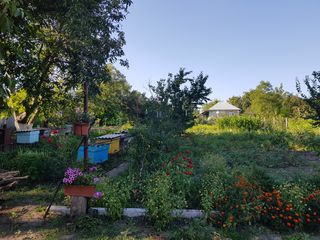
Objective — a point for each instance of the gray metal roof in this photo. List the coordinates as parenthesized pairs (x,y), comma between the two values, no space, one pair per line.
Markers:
(223,106)
(111,136)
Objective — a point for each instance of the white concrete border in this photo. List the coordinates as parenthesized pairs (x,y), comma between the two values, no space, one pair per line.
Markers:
(135,212)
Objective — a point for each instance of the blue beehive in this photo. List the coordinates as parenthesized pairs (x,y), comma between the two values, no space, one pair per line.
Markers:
(29,136)
(96,153)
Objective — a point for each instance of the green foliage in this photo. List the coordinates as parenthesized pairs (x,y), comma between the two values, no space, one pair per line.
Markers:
(312,211)
(300,125)
(42,162)
(202,129)
(58,47)
(213,188)
(259,177)
(178,96)
(244,123)
(267,101)
(116,195)
(160,200)
(294,193)
(149,144)
(236,203)
(196,230)
(83,117)
(313,86)
(10,15)
(115,102)
(87,223)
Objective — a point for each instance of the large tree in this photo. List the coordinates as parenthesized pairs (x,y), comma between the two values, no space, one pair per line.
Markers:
(60,44)
(178,97)
(268,101)
(115,103)
(313,97)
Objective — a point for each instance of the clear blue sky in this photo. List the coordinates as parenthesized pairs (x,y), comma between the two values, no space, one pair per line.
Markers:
(237,43)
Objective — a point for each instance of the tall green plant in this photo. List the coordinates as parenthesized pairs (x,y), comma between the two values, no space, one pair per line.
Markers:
(245,123)
(160,200)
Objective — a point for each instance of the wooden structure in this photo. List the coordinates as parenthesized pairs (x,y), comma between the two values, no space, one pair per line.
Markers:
(9,179)
(6,142)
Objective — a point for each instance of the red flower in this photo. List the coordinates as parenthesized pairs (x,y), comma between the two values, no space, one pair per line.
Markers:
(187,151)
(49,140)
(167,173)
(189,165)
(54,131)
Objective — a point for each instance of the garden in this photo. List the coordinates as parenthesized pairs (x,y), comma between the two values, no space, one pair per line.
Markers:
(247,181)
(87,157)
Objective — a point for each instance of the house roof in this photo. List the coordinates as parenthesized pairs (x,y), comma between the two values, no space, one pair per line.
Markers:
(223,106)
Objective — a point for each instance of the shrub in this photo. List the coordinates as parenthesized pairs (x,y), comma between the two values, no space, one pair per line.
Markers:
(160,200)
(312,211)
(238,206)
(300,125)
(259,177)
(45,162)
(278,210)
(150,144)
(213,188)
(202,129)
(180,169)
(245,123)
(116,195)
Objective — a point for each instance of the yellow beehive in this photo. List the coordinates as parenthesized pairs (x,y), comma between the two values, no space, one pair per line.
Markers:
(114,144)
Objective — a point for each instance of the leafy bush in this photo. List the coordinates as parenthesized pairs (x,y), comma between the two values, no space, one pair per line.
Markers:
(116,195)
(180,169)
(299,125)
(45,162)
(160,200)
(284,208)
(150,144)
(202,129)
(238,206)
(259,177)
(244,123)
(312,211)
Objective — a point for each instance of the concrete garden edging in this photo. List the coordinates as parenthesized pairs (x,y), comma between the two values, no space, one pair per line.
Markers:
(134,212)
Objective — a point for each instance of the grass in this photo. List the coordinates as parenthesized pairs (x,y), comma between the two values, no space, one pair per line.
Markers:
(271,152)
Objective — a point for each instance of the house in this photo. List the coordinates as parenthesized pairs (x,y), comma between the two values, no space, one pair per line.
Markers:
(222,109)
